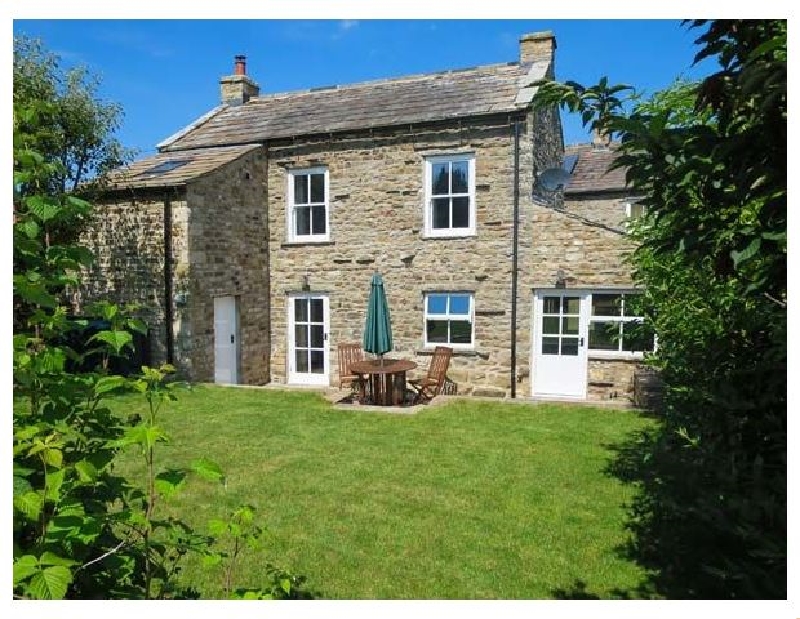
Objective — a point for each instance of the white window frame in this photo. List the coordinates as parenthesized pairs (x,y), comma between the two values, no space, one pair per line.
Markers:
(290,207)
(596,353)
(448,316)
(430,231)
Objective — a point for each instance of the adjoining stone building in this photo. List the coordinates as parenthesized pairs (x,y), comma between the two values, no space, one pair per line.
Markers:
(250,238)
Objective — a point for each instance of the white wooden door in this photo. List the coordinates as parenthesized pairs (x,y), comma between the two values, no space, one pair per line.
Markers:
(560,343)
(226,341)
(307,340)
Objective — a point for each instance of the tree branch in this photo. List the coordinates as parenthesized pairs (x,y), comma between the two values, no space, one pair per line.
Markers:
(774,300)
(103,556)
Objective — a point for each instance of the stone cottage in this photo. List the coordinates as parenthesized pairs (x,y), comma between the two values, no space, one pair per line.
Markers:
(250,239)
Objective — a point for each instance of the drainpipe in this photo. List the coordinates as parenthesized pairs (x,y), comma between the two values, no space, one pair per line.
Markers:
(514,247)
(168,313)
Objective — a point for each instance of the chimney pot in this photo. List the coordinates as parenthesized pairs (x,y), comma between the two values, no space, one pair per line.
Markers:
(239,66)
(239,88)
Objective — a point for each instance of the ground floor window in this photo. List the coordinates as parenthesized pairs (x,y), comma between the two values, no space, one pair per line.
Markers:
(616,324)
(449,319)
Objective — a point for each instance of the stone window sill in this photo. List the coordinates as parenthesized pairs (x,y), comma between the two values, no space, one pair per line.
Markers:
(290,244)
(457,352)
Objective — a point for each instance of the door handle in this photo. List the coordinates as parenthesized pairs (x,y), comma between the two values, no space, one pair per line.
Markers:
(326,337)
(580,342)
(232,338)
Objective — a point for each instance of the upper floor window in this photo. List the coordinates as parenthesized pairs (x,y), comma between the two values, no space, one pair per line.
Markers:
(615,325)
(449,319)
(450,195)
(308,207)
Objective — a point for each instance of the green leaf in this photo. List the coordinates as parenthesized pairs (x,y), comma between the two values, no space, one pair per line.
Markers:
(208,470)
(25,567)
(50,583)
(286,585)
(169,482)
(53,457)
(48,558)
(44,208)
(108,383)
(115,338)
(747,253)
(53,482)
(217,527)
(86,470)
(29,504)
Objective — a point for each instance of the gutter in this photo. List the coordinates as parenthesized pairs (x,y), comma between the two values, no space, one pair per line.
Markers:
(168,311)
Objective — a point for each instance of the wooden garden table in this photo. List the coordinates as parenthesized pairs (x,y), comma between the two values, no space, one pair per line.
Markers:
(387,378)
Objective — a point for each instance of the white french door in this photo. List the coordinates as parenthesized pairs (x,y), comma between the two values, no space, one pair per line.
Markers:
(226,341)
(307,340)
(560,341)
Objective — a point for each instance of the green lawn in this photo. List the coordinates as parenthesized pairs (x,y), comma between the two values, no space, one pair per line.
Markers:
(469,500)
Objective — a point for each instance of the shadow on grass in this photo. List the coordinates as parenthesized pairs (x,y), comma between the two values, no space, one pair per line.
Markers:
(703,526)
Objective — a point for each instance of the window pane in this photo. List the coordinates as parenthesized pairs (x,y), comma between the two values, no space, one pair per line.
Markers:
(302,219)
(550,325)
(570,325)
(441,213)
(461,212)
(437,331)
(301,310)
(317,362)
(606,305)
(440,179)
(318,219)
(604,335)
(459,304)
(572,305)
(301,336)
(569,346)
(318,188)
(317,310)
(437,303)
(552,305)
(301,360)
(460,172)
(549,345)
(460,332)
(301,188)
(636,337)
(317,339)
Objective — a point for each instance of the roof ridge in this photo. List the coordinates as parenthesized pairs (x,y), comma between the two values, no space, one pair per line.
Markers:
(375,82)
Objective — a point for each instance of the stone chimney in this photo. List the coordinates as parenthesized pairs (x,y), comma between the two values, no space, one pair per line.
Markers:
(537,47)
(238,88)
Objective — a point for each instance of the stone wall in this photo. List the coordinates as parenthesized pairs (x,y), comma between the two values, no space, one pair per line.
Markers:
(377,224)
(227,256)
(611,379)
(126,235)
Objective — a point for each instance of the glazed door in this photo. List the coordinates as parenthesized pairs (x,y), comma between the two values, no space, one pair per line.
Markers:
(560,343)
(308,362)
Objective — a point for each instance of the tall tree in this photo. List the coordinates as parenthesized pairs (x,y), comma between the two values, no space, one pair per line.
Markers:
(80,135)
(710,164)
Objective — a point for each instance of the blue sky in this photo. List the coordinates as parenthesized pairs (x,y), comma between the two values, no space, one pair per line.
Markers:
(165,73)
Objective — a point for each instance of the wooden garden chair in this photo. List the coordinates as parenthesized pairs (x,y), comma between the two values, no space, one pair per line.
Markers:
(348,354)
(430,386)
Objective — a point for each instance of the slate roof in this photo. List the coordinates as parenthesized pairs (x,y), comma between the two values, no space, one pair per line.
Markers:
(591,173)
(179,167)
(437,96)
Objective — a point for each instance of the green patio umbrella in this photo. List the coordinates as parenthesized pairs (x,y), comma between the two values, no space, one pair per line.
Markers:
(378,326)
